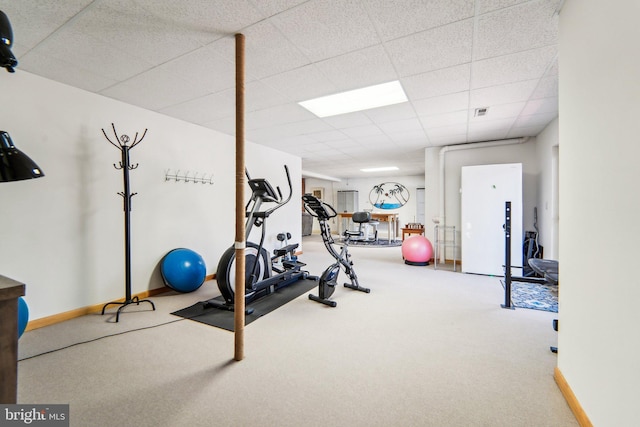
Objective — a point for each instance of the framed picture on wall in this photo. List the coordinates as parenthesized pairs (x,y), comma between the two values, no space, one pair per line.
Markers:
(318,192)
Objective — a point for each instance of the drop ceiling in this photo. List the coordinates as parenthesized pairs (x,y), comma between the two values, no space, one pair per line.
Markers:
(178,58)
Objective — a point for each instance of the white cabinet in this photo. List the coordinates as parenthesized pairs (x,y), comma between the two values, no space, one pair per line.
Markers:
(347,201)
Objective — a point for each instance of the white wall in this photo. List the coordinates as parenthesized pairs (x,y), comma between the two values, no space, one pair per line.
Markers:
(63,234)
(454,160)
(599,338)
(547,143)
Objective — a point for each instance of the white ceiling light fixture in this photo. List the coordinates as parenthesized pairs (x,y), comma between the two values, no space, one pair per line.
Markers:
(357,100)
(380,169)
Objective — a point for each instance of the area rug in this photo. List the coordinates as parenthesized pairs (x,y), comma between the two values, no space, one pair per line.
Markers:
(534,296)
(225,319)
(380,243)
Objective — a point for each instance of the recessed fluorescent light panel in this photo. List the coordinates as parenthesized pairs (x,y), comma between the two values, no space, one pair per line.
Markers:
(381,169)
(357,100)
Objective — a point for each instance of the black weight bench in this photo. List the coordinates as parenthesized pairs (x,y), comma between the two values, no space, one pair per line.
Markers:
(548,269)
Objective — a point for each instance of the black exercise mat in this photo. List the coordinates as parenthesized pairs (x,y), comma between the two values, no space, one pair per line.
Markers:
(224,319)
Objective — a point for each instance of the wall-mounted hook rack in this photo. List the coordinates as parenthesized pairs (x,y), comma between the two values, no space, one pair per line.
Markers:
(188,177)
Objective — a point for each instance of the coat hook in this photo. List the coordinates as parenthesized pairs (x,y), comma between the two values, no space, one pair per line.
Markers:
(196,177)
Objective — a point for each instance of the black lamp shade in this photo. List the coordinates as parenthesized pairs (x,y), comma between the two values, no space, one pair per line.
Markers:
(7,60)
(14,164)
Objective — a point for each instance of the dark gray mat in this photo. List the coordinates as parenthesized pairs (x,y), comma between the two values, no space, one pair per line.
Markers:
(380,243)
(225,319)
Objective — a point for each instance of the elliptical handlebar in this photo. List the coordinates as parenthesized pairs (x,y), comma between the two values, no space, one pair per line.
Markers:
(279,202)
(262,191)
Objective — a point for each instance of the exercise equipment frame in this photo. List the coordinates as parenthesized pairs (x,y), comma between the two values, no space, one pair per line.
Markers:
(328,280)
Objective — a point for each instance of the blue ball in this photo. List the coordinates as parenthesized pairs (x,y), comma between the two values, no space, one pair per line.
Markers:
(183,270)
(23,316)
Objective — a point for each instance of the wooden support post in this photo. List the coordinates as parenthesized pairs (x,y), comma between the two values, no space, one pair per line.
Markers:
(239,303)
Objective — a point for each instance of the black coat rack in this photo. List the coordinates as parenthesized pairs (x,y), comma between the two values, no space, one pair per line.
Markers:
(124,147)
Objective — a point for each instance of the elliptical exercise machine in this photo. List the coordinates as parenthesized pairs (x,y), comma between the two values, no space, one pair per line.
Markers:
(261,278)
(329,278)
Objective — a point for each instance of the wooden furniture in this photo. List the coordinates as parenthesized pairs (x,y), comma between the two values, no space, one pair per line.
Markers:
(390,218)
(412,228)
(10,291)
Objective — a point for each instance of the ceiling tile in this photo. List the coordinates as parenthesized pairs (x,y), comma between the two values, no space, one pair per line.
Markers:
(489,134)
(203,20)
(527,65)
(440,82)
(547,88)
(483,131)
(485,6)
(349,120)
(178,59)
(259,95)
(342,143)
(205,67)
(398,18)
(362,131)
(401,126)
(361,68)
(409,139)
(152,40)
(500,111)
(505,94)
(267,52)
(535,119)
(457,118)
(72,46)
(279,114)
(204,109)
(303,127)
(273,7)
(517,132)
(442,104)
(323,29)
(458,130)
(294,84)
(430,50)
(58,70)
(541,105)
(154,90)
(524,26)
(391,113)
(34,20)
(439,139)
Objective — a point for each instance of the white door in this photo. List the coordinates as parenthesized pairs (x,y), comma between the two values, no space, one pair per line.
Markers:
(485,189)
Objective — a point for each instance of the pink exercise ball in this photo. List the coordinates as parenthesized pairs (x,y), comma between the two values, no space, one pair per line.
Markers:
(417,250)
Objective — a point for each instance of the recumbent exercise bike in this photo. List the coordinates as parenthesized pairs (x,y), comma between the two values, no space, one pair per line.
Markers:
(329,278)
(262,277)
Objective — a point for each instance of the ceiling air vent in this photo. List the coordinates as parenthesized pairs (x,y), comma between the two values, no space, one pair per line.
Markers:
(481,112)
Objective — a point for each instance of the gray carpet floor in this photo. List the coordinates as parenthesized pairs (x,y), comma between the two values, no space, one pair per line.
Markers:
(425,348)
